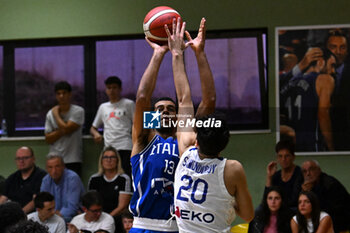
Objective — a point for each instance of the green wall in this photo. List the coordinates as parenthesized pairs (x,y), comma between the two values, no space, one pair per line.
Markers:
(31,19)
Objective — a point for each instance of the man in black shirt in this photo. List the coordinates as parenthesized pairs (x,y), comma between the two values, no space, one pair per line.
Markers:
(332,195)
(22,185)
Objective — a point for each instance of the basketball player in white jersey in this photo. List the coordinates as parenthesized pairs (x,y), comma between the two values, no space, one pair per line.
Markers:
(209,190)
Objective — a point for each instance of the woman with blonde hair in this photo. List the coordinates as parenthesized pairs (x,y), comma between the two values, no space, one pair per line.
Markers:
(113,185)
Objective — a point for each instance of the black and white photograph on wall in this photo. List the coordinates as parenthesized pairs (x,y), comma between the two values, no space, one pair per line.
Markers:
(313,88)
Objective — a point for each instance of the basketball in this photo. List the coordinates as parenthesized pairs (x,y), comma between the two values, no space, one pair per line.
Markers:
(153,24)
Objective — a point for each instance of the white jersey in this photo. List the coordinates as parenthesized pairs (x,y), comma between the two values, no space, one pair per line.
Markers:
(202,202)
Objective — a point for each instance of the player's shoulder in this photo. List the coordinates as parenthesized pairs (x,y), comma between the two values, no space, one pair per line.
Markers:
(233,168)
(325,78)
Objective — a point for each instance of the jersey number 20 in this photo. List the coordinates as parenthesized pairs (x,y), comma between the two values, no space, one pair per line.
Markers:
(193,189)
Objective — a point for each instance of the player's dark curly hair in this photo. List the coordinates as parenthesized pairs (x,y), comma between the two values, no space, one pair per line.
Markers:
(212,139)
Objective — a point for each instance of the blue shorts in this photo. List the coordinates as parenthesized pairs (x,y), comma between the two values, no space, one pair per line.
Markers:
(139,230)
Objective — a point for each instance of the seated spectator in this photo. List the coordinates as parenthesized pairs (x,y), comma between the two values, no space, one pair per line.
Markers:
(309,217)
(23,184)
(45,213)
(93,219)
(289,178)
(127,219)
(273,214)
(332,195)
(29,227)
(113,185)
(65,185)
(11,213)
(116,116)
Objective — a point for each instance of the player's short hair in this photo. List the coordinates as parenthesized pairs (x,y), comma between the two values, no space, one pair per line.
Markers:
(285,144)
(42,197)
(212,140)
(326,55)
(165,99)
(113,80)
(91,198)
(63,85)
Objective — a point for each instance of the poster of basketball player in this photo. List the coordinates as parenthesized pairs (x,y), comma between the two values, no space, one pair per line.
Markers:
(313,87)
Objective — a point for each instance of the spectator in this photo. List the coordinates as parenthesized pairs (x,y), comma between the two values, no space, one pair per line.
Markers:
(273,214)
(116,116)
(11,213)
(332,195)
(127,219)
(113,185)
(63,128)
(23,184)
(289,178)
(65,185)
(45,213)
(29,227)
(309,217)
(93,219)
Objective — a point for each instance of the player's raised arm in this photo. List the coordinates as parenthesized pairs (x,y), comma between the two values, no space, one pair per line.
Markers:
(207,104)
(185,136)
(140,136)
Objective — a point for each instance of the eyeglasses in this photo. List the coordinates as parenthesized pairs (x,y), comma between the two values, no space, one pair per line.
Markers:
(23,158)
(109,157)
(95,211)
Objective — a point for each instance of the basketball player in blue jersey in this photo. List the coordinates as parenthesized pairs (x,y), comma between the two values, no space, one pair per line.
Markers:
(155,152)
(209,190)
(307,101)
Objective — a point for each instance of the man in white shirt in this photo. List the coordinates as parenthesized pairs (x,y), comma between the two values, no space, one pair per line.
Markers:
(93,219)
(45,213)
(116,116)
(63,128)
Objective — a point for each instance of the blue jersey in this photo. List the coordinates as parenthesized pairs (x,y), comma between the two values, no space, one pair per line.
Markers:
(300,102)
(153,171)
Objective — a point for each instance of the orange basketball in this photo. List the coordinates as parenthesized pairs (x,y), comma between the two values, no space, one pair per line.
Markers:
(153,24)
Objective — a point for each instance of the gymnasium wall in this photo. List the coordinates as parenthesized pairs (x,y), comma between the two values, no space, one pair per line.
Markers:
(32,19)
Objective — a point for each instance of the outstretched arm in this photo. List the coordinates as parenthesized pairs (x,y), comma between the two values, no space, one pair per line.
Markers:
(207,104)
(147,84)
(185,136)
